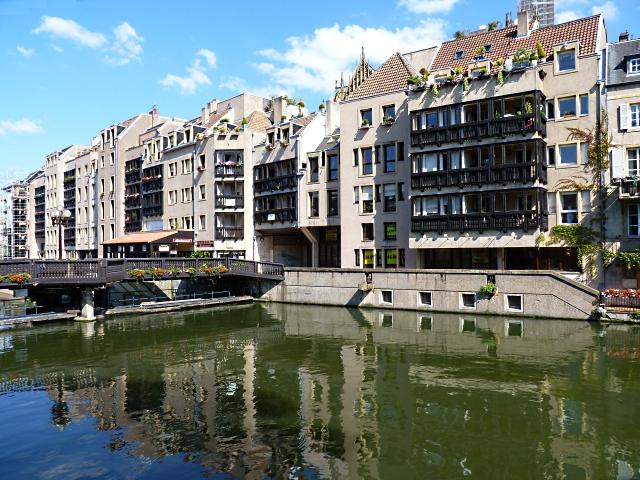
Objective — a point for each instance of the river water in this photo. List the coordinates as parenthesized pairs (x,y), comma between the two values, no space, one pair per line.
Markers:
(289,391)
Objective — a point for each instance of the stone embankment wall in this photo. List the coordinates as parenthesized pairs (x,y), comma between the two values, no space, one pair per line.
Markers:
(522,293)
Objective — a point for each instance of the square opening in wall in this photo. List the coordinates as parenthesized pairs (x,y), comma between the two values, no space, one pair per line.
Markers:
(514,329)
(386,297)
(424,299)
(425,322)
(514,303)
(386,320)
(468,300)
(467,325)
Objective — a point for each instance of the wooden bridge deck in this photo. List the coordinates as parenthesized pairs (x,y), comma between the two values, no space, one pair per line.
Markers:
(102,271)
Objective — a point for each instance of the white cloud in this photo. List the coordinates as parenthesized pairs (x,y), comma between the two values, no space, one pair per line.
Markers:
(235,84)
(428,7)
(127,46)
(23,125)
(24,51)
(608,9)
(57,48)
(70,30)
(566,16)
(196,73)
(314,62)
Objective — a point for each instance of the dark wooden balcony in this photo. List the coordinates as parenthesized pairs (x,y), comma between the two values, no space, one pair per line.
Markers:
(229,201)
(230,233)
(280,215)
(479,222)
(224,171)
(284,182)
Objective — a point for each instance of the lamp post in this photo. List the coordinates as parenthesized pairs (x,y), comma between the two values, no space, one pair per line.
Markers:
(60,218)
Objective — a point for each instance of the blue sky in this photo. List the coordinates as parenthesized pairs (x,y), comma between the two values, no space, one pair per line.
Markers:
(73,67)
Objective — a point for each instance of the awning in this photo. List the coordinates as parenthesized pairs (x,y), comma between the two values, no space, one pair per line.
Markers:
(163,236)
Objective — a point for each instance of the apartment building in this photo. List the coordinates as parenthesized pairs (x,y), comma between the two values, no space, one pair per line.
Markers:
(623,113)
(544,10)
(375,170)
(36,225)
(490,146)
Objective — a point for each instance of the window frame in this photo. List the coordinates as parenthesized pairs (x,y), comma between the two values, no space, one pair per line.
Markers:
(559,154)
(564,115)
(633,70)
(561,53)
(562,210)
(508,308)
(382,300)
(634,114)
(365,113)
(461,304)
(636,208)
(314,195)
(420,303)
(637,161)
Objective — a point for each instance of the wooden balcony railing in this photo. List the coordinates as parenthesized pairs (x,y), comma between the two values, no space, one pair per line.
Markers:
(230,233)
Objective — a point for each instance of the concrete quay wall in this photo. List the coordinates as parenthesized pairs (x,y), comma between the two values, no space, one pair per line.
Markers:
(544,294)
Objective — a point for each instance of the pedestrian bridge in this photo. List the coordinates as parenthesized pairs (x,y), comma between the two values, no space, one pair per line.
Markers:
(98,272)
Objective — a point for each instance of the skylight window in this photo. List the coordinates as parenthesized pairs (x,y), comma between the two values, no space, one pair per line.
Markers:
(458,55)
(487,48)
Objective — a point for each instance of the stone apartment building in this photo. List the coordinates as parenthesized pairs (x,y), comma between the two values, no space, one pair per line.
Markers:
(623,114)
(493,167)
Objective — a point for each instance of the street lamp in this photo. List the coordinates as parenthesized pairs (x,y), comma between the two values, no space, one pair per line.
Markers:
(60,218)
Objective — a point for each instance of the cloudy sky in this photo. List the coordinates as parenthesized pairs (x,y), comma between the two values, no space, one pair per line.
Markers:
(73,67)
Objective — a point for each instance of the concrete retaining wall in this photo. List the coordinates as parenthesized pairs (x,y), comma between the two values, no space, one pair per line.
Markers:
(544,293)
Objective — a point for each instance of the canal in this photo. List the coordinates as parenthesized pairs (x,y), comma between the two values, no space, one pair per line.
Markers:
(290,391)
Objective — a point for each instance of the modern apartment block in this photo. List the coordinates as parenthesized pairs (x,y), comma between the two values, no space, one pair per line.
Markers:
(623,113)
(544,10)
(490,146)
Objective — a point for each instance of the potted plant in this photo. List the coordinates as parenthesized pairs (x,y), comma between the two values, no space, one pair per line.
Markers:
(542,55)
(434,89)
(245,123)
(136,273)
(489,289)
(528,108)
(479,53)
(365,123)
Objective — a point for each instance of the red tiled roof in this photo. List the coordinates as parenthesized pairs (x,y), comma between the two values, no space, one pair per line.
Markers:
(214,118)
(258,121)
(128,121)
(390,77)
(304,121)
(504,42)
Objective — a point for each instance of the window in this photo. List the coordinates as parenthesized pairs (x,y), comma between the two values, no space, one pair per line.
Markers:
(173,197)
(567,107)
(633,215)
(468,300)
(367,161)
(584,104)
(513,303)
(202,222)
(458,55)
(551,110)
(386,297)
(389,192)
(356,194)
(367,232)
(173,169)
(367,258)
(390,231)
(568,208)
(367,199)
(332,203)
(186,166)
(514,329)
(391,258)
(332,172)
(112,158)
(101,210)
(386,320)
(425,322)
(186,195)
(567,60)
(568,154)
(202,164)
(314,170)
(314,204)
(425,299)
(467,325)
(388,113)
(366,117)
(634,110)
(633,162)
(634,66)
(356,257)
(187,223)
(202,192)
(389,158)
(551,155)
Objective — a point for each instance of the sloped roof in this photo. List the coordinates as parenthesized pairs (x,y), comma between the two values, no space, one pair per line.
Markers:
(304,121)
(258,121)
(505,41)
(390,77)
(128,121)
(214,118)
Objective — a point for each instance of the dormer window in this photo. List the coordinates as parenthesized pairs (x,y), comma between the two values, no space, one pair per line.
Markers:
(270,138)
(567,60)
(284,135)
(366,117)
(633,67)
(458,55)
(487,48)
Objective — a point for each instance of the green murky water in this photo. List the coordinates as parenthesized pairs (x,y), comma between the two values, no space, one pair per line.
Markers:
(282,391)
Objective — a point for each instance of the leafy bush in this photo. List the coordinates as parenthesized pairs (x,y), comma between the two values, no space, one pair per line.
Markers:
(489,289)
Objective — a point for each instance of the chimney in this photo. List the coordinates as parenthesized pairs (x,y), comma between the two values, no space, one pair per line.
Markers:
(523,23)
(332,118)
(205,114)
(624,36)
(213,106)
(279,108)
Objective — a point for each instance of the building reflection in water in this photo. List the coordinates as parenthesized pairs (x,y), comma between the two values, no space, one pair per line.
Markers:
(283,390)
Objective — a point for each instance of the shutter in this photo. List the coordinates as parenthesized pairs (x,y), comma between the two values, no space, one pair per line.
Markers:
(551,202)
(400,152)
(586,201)
(617,162)
(377,160)
(623,116)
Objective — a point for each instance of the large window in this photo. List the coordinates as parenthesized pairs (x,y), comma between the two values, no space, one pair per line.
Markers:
(633,162)
(366,117)
(332,203)
(367,232)
(388,113)
(634,66)
(367,199)
(567,60)
(568,154)
(313,170)
(584,104)
(389,158)
(389,192)
(332,171)
(634,111)
(390,231)
(314,204)
(567,107)
(633,215)
(569,208)
(367,161)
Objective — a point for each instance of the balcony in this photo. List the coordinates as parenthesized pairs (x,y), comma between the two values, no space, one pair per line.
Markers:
(274,184)
(152,210)
(132,178)
(229,201)
(280,215)
(526,221)
(224,171)
(230,233)
(152,185)
(629,189)
(505,174)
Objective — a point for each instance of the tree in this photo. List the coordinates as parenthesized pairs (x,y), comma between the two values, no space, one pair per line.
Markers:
(494,25)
